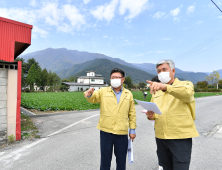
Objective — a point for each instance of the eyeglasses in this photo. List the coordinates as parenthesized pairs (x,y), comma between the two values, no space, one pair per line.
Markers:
(116,77)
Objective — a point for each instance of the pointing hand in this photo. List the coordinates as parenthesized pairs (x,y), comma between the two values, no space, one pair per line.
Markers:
(89,92)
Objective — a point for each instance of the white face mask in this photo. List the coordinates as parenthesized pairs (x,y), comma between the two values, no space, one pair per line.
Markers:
(164,77)
(115,83)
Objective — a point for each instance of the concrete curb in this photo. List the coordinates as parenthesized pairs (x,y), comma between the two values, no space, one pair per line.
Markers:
(31,114)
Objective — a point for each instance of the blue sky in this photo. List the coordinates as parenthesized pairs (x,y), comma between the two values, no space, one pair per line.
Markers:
(139,31)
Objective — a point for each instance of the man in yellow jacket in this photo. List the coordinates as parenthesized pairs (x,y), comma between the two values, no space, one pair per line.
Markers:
(117,115)
(175,128)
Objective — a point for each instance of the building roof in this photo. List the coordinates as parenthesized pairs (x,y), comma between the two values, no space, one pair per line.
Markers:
(91,77)
(83,84)
(90,71)
(15,37)
(98,75)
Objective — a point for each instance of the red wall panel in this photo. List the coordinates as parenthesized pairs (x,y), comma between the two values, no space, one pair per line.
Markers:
(11,31)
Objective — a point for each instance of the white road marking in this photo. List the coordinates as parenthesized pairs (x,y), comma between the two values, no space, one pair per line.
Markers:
(17,153)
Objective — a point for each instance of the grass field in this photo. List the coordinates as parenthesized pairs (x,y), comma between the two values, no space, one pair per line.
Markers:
(72,100)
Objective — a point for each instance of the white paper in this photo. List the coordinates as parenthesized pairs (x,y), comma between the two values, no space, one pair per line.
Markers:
(149,106)
(130,151)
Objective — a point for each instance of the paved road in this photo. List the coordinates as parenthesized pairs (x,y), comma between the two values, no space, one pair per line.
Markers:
(71,141)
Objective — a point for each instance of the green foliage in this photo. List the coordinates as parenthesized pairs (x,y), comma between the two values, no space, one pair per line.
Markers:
(44,78)
(56,101)
(28,128)
(142,85)
(32,77)
(220,84)
(104,67)
(11,138)
(128,82)
(81,89)
(202,84)
(73,100)
(213,78)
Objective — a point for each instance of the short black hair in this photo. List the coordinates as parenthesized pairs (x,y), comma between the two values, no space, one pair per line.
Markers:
(155,79)
(117,70)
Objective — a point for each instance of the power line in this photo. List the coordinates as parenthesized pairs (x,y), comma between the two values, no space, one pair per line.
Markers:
(216,5)
(203,46)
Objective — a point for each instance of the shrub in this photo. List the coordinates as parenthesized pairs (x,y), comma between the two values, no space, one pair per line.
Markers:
(27,90)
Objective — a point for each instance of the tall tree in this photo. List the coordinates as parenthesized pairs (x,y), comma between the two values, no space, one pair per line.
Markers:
(30,62)
(142,85)
(44,78)
(32,77)
(38,76)
(213,78)
(128,81)
(24,83)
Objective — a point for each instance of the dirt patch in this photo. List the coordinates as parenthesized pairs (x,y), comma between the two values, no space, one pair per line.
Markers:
(47,112)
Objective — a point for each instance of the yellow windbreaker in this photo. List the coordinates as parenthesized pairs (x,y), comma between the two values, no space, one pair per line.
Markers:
(115,118)
(177,105)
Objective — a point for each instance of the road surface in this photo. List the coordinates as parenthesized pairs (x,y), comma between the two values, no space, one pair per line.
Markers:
(71,141)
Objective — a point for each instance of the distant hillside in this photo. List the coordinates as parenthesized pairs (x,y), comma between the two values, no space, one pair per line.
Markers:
(104,66)
(62,61)
(61,58)
(182,75)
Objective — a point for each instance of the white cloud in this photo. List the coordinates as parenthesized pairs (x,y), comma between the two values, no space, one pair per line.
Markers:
(72,13)
(105,36)
(190,9)
(175,12)
(220,17)
(158,15)
(86,1)
(19,14)
(65,18)
(40,31)
(135,7)
(33,3)
(50,13)
(105,11)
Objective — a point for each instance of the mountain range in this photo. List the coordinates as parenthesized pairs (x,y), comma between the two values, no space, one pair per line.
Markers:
(73,62)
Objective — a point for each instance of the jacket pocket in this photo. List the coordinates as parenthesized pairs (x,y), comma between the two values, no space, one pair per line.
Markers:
(106,121)
(123,123)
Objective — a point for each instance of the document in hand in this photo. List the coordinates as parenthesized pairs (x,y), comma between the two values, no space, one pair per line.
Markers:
(130,151)
(149,106)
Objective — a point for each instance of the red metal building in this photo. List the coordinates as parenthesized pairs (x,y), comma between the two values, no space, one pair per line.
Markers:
(15,37)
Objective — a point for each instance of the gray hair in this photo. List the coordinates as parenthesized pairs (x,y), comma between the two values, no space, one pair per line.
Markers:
(170,62)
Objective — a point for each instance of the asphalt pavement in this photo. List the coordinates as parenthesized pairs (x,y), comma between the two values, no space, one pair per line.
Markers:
(71,141)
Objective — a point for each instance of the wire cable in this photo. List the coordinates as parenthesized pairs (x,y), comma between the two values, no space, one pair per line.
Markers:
(216,5)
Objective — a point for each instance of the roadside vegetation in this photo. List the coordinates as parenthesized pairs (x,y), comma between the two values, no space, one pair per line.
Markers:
(73,100)
(28,128)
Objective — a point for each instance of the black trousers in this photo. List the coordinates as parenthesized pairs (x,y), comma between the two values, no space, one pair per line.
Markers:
(174,154)
(120,144)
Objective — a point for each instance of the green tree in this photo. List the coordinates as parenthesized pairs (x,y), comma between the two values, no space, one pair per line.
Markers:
(72,79)
(202,84)
(44,78)
(128,82)
(142,85)
(30,62)
(220,84)
(53,80)
(213,78)
(24,83)
(39,76)
(32,77)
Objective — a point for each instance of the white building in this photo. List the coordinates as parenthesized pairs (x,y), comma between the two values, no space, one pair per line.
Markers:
(85,82)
